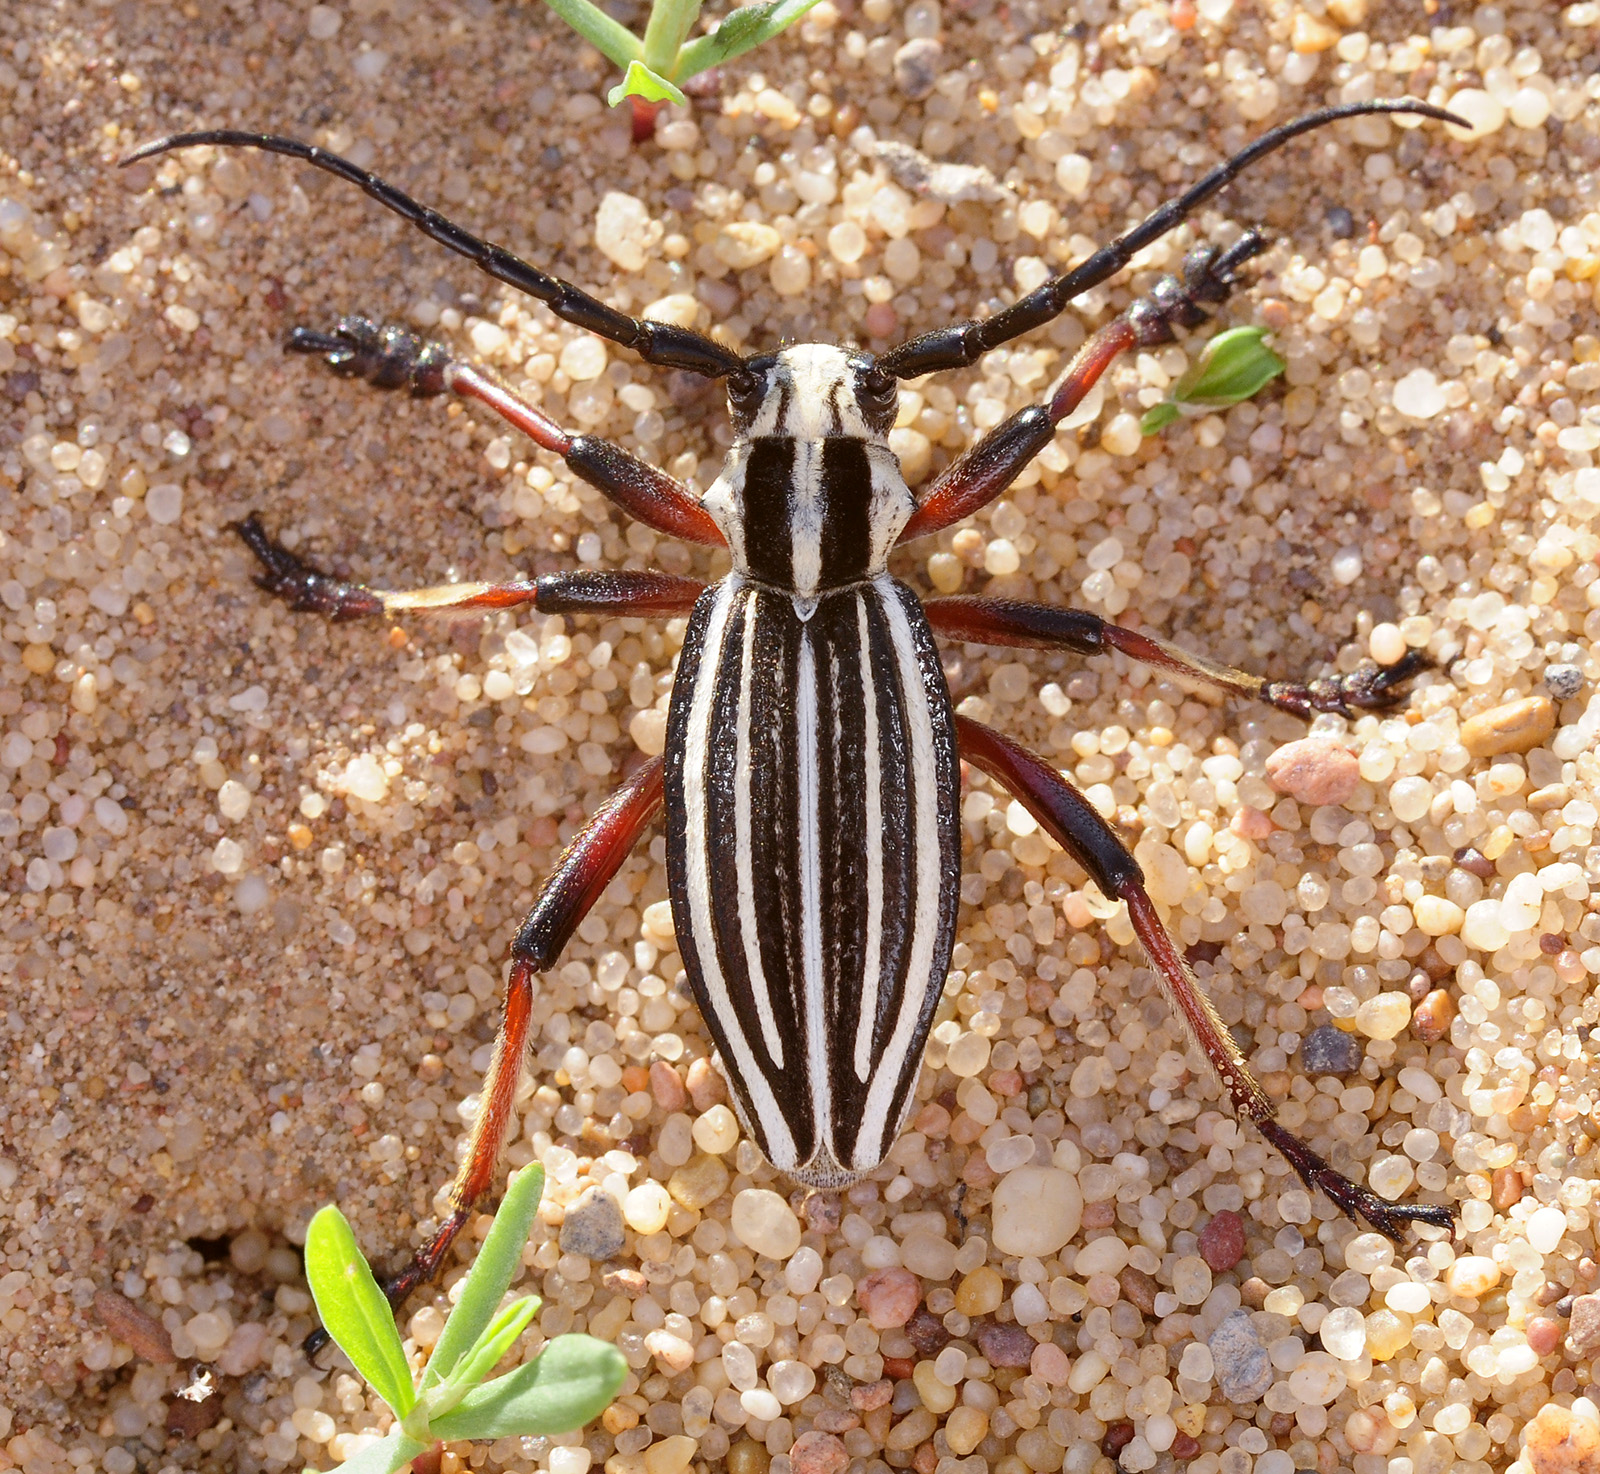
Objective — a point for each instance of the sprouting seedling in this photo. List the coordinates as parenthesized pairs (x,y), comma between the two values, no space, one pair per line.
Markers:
(572,1380)
(1232,367)
(654,67)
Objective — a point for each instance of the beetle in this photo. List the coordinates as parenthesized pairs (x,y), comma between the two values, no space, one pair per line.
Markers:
(811,777)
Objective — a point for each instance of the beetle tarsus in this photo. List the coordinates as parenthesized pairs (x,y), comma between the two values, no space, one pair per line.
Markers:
(1372,688)
(386,357)
(302,587)
(1392,1220)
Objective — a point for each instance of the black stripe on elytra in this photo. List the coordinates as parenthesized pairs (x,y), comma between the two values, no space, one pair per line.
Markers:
(767,494)
(846,499)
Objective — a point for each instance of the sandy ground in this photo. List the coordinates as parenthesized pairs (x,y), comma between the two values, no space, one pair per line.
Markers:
(261,873)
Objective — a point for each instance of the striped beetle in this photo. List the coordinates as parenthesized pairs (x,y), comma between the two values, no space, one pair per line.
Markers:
(811,777)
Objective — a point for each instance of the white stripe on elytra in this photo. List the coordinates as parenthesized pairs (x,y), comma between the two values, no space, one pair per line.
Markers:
(809,786)
(923,776)
(744,843)
(872,957)
(697,750)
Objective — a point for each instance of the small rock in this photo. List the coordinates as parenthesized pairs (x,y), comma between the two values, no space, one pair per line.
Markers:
(672,1352)
(593,1226)
(870,1396)
(187,1419)
(1384,1016)
(741,244)
(672,1455)
(136,1328)
(1243,1368)
(1330,1051)
(1222,1241)
(1035,1211)
(1518,726)
(1563,681)
(818,1453)
(1139,1289)
(1314,770)
(706,1085)
(1351,14)
(1431,1022)
(1472,1276)
(1583,1329)
(1310,34)
(1506,1188)
(1558,1441)
(765,1223)
(916,67)
(1005,1345)
(951,184)
(624,231)
(1251,824)
(1544,1335)
(699,1182)
(666,1089)
(629,1282)
(1184,1447)
(926,1332)
(889,1297)
(822,1211)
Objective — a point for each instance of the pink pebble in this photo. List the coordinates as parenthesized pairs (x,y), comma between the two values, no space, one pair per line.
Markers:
(889,1297)
(666,1088)
(870,1396)
(1050,1364)
(1544,1335)
(1250,823)
(818,1453)
(881,320)
(1222,1241)
(1314,770)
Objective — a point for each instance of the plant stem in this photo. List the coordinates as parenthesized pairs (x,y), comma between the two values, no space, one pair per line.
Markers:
(616,42)
(670,24)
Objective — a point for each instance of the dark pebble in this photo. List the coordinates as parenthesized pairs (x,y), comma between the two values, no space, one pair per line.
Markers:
(926,1332)
(1563,681)
(593,1226)
(916,67)
(1330,1051)
(1005,1346)
(1222,1241)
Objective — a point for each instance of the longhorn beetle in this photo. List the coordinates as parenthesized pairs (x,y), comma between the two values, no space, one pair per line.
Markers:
(811,775)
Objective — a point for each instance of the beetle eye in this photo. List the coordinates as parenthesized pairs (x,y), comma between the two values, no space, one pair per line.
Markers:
(744,392)
(877,392)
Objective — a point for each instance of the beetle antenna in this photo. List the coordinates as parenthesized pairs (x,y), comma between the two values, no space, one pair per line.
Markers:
(963,343)
(655,342)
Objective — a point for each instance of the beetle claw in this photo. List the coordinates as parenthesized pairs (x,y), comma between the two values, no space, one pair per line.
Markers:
(301,586)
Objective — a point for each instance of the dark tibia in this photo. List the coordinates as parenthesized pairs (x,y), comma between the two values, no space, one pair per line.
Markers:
(981,621)
(1077,827)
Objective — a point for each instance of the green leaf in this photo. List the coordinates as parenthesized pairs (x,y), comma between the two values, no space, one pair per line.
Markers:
(740,29)
(640,81)
(612,40)
(1158,417)
(354,1311)
(1233,366)
(478,1305)
(388,1455)
(665,32)
(476,1365)
(571,1381)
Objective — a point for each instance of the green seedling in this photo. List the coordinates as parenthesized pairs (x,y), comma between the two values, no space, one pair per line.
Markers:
(1232,367)
(572,1380)
(655,66)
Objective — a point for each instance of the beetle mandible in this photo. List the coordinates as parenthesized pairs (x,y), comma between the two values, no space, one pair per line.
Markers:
(811,778)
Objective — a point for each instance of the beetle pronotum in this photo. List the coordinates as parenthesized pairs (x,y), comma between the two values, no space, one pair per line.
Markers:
(811,778)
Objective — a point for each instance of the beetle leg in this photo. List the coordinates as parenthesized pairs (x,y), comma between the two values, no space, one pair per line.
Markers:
(392,358)
(1075,825)
(628,593)
(655,342)
(1052,627)
(589,865)
(962,343)
(985,471)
